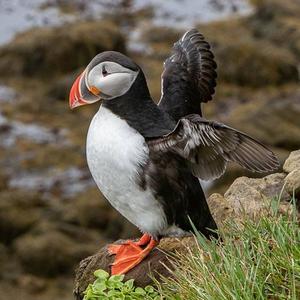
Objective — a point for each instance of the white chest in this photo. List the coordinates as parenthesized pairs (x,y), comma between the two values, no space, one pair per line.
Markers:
(115,153)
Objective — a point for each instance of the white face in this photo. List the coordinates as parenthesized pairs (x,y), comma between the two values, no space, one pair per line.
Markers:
(110,80)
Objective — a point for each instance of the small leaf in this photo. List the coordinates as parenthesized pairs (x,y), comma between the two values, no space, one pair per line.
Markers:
(99,286)
(115,295)
(149,289)
(140,291)
(101,274)
(129,283)
(114,284)
(116,278)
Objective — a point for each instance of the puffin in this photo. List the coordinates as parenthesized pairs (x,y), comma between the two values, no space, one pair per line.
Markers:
(147,159)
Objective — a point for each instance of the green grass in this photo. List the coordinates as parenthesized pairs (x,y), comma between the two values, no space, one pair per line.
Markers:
(259,260)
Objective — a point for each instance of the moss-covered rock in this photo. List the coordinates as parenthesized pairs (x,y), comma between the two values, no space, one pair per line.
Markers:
(256,63)
(18,213)
(46,51)
(50,253)
(246,60)
(279,22)
(273,121)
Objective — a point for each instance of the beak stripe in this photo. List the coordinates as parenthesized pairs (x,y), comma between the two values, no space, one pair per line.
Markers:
(75,98)
(81,93)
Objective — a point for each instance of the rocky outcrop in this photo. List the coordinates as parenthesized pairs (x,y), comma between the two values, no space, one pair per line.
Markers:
(251,197)
(292,163)
(256,196)
(292,180)
(44,52)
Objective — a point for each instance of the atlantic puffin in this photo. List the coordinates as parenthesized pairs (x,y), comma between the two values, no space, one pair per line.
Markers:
(147,158)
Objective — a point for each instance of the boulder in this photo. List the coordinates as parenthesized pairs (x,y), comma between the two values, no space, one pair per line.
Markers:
(152,265)
(293,162)
(220,208)
(50,254)
(292,183)
(253,196)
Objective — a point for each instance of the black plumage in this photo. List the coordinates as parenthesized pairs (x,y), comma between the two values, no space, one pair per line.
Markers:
(189,76)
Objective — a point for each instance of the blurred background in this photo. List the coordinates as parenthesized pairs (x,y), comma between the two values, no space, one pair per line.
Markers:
(51,213)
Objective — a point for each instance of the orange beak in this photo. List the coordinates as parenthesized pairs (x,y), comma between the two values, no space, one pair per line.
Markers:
(75,97)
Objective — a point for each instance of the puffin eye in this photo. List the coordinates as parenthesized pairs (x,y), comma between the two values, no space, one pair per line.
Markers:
(104,71)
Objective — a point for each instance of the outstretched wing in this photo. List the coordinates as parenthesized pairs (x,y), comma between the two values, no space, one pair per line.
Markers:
(208,146)
(189,76)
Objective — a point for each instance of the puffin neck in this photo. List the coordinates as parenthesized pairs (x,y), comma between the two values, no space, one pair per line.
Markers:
(140,111)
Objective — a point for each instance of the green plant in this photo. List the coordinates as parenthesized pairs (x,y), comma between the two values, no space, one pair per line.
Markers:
(258,260)
(107,287)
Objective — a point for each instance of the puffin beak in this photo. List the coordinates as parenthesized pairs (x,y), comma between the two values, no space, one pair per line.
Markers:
(76,97)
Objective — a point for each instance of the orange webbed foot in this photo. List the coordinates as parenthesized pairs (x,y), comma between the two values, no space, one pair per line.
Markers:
(130,254)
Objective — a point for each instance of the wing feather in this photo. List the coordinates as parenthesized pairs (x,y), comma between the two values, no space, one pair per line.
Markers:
(209,146)
(189,76)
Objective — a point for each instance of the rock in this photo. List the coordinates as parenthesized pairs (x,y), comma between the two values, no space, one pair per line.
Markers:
(49,254)
(293,162)
(152,264)
(253,196)
(43,52)
(292,183)
(277,121)
(221,209)
(18,213)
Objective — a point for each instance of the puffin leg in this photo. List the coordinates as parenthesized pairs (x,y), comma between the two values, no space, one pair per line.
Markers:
(130,254)
(144,240)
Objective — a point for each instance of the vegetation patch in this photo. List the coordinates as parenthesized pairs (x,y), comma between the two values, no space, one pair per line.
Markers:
(113,287)
(255,261)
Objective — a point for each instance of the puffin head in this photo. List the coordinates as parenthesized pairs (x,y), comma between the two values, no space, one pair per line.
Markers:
(109,75)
